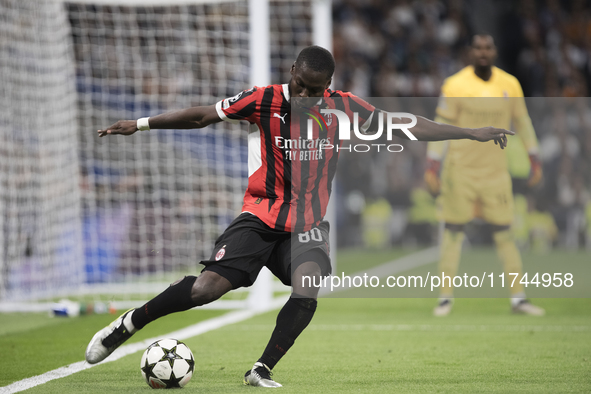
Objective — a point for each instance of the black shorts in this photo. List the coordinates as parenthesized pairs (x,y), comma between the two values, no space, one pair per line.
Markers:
(248,245)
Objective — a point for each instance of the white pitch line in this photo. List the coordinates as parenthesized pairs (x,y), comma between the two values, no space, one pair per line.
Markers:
(184,333)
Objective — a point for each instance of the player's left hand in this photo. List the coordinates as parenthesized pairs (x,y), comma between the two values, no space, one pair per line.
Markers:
(499,136)
(535,173)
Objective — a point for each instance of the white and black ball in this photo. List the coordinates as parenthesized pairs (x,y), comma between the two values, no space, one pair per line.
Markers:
(167,363)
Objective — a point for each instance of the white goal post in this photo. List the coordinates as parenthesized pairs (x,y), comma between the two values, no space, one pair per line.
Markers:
(118,219)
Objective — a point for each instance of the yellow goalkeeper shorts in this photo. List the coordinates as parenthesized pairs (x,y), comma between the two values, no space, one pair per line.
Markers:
(465,197)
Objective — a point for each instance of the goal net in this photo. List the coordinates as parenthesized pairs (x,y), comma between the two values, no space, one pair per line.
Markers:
(122,216)
(40,206)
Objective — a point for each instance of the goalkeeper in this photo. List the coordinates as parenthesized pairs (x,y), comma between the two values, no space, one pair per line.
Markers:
(475,181)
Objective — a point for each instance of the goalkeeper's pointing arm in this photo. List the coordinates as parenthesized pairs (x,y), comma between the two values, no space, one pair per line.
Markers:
(190,118)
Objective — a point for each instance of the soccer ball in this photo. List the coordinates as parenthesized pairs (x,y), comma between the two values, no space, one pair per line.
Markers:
(167,363)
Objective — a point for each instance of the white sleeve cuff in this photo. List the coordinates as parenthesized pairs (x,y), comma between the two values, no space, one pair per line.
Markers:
(222,114)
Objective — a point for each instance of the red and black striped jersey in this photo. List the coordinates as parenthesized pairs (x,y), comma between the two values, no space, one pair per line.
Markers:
(290,176)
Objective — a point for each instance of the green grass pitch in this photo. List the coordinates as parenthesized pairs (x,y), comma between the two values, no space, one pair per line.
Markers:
(353,345)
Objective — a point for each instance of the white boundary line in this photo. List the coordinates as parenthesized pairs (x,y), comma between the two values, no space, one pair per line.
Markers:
(187,332)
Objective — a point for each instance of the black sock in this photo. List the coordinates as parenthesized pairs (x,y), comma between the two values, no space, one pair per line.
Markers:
(175,298)
(295,315)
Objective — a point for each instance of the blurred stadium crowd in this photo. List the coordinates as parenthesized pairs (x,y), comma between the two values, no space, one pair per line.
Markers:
(407,48)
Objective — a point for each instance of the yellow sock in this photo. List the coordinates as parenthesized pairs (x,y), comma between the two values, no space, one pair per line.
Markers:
(449,259)
(511,258)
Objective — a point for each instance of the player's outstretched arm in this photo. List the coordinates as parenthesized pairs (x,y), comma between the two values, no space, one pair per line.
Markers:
(428,130)
(190,118)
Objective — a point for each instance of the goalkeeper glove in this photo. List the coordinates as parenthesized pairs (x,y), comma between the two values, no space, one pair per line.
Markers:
(535,173)
(431,176)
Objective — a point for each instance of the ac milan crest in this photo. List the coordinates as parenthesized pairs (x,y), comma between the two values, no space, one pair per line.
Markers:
(220,253)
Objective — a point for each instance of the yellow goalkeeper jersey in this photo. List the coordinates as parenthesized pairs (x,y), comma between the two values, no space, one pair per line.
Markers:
(468,101)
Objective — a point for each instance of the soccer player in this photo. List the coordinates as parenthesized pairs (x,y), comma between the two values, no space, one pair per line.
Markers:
(474,177)
(284,197)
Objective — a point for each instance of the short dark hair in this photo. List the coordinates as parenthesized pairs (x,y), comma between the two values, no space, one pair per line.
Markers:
(483,35)
(317,59)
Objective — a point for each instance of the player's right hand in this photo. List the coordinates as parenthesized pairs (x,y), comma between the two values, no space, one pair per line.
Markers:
(431,176)
(123,127)
(499,136)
